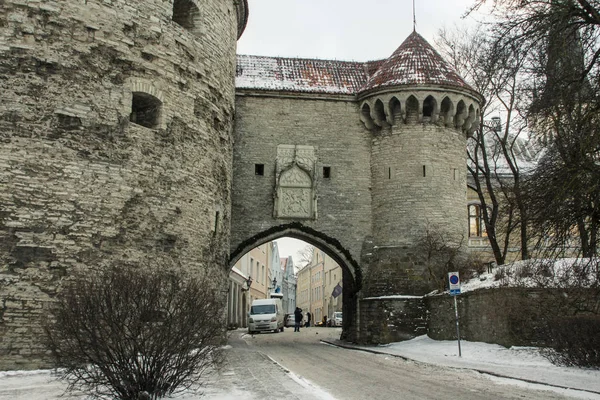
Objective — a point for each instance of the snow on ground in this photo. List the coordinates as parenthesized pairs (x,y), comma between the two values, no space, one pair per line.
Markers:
(525,363)
(564,272)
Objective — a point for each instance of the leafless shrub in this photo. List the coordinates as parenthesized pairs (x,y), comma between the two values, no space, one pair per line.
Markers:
(574,341)
(132,333)
(442,255)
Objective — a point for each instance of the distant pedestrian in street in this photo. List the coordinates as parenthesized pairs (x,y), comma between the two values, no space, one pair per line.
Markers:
(308,317)
(297,319)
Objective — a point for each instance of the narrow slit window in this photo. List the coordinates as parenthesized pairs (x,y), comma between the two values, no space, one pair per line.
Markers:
(259,169)
(217,221)
(455,174)
(390,173)
(326,172)
(424,170)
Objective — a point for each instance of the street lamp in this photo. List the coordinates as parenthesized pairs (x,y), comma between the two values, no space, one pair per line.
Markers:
(248,283)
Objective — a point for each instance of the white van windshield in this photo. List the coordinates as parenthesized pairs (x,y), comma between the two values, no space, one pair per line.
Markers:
(337,315)
(263,309)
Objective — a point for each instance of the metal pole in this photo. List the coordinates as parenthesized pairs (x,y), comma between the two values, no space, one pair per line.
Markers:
(457,327)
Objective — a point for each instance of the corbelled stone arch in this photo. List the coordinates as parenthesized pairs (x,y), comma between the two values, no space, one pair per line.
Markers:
(461,114)
(352,273)
(365,116)
(412,109)
(379,111)
(395,107)
(446,111)
(430,109)
(470,119)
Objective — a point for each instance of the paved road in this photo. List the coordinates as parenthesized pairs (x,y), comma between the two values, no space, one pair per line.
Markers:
(297,366)
(348,374)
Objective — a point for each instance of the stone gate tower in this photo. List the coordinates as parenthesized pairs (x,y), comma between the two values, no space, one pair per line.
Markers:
(361,159)
(116,121)
(419,112)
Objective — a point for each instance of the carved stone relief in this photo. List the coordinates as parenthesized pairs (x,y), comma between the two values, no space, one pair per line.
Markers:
(295,195)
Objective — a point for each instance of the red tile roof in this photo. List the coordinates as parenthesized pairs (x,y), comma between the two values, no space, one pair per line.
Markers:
(415,62)
(299,75)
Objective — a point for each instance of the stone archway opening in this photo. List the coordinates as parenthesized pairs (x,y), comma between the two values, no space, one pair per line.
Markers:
(326,280)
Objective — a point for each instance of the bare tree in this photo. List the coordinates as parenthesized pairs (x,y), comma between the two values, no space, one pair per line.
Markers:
(562,41)
(306,255)
(442,255)
(494,150)
(135,333)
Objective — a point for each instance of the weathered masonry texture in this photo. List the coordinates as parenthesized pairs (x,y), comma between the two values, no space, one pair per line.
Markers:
(362,160)
(116,125)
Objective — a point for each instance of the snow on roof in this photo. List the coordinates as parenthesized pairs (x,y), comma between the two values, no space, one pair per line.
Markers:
(415,62)
(299,74)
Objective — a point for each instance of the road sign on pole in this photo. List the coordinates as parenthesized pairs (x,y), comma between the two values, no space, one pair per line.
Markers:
(454,281)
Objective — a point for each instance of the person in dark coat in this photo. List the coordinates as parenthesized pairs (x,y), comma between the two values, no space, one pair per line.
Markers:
(297,319)
(308,318)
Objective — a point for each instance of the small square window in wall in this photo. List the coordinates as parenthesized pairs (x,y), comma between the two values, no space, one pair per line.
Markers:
(326,172)
(145,110)
(259,169)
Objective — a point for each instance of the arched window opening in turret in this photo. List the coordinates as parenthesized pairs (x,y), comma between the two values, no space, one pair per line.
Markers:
(470,118)
(412,110)
(461,114)
(145,110)
(365,116)
(379,113)
(186,14)
(446,110)
(429,107)
(396,110)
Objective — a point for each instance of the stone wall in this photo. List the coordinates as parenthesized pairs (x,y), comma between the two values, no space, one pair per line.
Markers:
(341,142)
(506,316)
(419,185)
(80,185)
(389,319)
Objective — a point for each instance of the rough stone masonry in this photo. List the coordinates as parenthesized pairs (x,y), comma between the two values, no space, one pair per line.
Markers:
(116,126)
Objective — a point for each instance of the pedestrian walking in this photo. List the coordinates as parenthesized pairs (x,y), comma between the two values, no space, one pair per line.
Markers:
(308,318)
(297,319)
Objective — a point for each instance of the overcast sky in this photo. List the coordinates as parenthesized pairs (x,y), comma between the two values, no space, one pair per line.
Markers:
(343,29)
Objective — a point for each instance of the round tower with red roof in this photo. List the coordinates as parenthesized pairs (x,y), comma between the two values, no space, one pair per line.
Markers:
(420,113)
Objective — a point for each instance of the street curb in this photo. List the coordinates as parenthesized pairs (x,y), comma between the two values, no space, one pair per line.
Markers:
(481,371)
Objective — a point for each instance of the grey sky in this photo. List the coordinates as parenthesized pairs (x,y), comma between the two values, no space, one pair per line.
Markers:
(343,29)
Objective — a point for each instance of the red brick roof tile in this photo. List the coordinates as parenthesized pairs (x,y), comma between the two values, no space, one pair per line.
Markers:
(415,62)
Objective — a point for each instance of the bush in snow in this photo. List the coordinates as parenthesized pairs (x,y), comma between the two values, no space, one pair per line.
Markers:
(133,333)
(575,341)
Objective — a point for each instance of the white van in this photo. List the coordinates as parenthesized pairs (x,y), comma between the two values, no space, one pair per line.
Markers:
(336,319)
(265,315)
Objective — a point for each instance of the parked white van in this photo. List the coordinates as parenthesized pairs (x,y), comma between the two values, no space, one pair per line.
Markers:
(265,315)
(336,319)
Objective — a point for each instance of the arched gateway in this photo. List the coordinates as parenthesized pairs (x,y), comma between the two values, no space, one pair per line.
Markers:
(352,275)
(360,160)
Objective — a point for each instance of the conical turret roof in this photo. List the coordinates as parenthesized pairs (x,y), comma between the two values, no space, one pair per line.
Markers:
(415,62)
